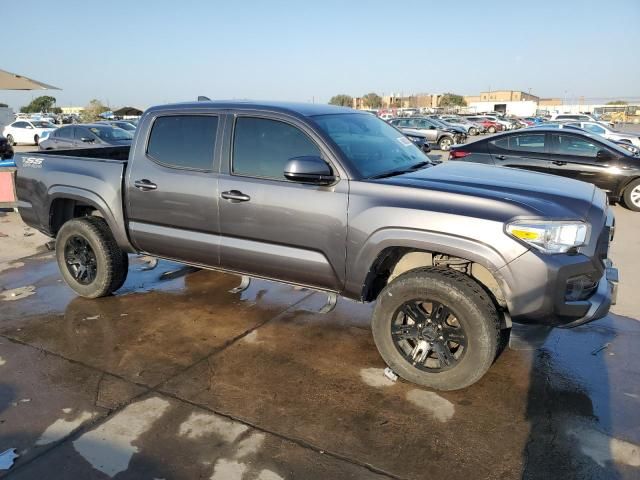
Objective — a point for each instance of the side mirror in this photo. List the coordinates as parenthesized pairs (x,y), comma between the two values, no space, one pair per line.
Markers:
(604,156)
(309,169)
(29,127)
(87,140)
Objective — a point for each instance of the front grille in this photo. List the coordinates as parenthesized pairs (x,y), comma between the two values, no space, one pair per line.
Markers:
(602,247)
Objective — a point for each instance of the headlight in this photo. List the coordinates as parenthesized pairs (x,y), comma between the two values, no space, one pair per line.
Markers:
(550,237)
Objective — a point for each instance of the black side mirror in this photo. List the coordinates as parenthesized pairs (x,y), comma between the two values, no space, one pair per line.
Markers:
(87,140)
(604,156)
(431,127)
(309,169)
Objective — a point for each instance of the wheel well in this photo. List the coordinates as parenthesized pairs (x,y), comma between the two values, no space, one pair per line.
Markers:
(64,209)
(395,261)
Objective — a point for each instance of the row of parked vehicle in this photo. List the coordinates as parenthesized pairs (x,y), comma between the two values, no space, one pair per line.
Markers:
(51,137)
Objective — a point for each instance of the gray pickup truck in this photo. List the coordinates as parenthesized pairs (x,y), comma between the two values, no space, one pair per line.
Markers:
(339,201)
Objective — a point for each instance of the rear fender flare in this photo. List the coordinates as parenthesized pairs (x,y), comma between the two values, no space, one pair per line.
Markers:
(94,200)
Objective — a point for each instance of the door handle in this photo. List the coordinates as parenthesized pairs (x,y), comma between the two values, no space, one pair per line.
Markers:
(559,163)
(500,157)
(235,196)
(145,185)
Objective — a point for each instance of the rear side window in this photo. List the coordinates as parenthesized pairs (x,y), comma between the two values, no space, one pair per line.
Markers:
(262,147)
(20,125)
(184,141)
(522,143)
(66,132)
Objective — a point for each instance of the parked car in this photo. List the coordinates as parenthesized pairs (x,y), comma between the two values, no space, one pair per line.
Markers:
(578,117)
(472,128)
(567,152)
(123,124)
(446,125)
(442,137)
(386,116)
(86,135)
(489,125)
(506,124)
(451,253)
(27,131)
(6,151)
(607,132)
(420,140)
(535,120)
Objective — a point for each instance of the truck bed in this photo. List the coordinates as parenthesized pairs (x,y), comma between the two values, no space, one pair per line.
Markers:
(100,153)
(86,177)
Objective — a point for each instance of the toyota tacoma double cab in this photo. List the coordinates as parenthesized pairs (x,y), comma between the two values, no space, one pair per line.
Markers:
(339,201)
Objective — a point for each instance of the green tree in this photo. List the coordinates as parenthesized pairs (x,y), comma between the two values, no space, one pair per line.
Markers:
(617,102)
(92,111)
(452,100)
(42,104)
(372,100)
(341,100)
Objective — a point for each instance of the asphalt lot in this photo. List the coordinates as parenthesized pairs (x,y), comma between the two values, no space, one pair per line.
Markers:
(175,377)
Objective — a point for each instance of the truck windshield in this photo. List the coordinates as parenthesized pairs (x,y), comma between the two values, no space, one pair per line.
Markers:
(372,145)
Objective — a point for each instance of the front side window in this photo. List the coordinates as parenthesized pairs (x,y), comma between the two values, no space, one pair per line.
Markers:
(523,143)
(371,145)
(262,147)
(575,146)
(182,141)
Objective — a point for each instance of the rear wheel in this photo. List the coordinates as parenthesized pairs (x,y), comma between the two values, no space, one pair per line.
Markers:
(445,143)
(631,196)
(436,327)
(36,139)
(10,140)
(473,131)
(90,260)
(492,129)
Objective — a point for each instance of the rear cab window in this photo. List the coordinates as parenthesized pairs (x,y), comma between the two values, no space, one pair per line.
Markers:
(183,141)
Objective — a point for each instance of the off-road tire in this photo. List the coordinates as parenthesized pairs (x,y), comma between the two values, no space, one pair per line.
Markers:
(10,140)
(474,309)
(628,192)
(112,262)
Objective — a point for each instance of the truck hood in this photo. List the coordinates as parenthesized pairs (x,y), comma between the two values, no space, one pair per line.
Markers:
(534,194)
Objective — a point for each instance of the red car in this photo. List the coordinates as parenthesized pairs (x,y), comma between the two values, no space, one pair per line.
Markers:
(489,125)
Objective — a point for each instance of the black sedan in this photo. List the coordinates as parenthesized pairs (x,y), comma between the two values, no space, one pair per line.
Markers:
(5,149)
(566,152)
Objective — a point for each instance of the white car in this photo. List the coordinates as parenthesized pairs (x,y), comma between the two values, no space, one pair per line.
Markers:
(608,133)
(27,131)
(578,117)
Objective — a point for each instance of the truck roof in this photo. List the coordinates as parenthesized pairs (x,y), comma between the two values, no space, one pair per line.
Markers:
(299,109)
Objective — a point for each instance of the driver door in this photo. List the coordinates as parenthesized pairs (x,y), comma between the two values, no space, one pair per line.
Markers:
(273,227)
(575,157)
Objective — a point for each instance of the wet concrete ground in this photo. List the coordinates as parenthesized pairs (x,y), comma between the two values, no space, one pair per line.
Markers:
(177,378)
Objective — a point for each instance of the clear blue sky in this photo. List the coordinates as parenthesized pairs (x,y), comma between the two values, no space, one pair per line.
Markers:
(143,52)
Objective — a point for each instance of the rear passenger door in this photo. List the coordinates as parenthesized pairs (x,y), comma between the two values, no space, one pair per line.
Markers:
(172,188)
(270,226)
(524,150)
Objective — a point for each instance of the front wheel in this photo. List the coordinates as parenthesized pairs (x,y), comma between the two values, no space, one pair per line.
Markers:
(10,140)
(492,129)
(473,131)
(90,260)
(436,327)
(445,143)
(632,196)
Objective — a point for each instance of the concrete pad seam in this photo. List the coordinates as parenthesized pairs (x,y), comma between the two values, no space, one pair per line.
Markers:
(298,441)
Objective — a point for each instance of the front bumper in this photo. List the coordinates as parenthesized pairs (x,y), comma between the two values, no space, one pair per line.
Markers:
(539,289)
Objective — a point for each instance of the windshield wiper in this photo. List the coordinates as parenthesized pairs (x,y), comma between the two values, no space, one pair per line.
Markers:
(392,173)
